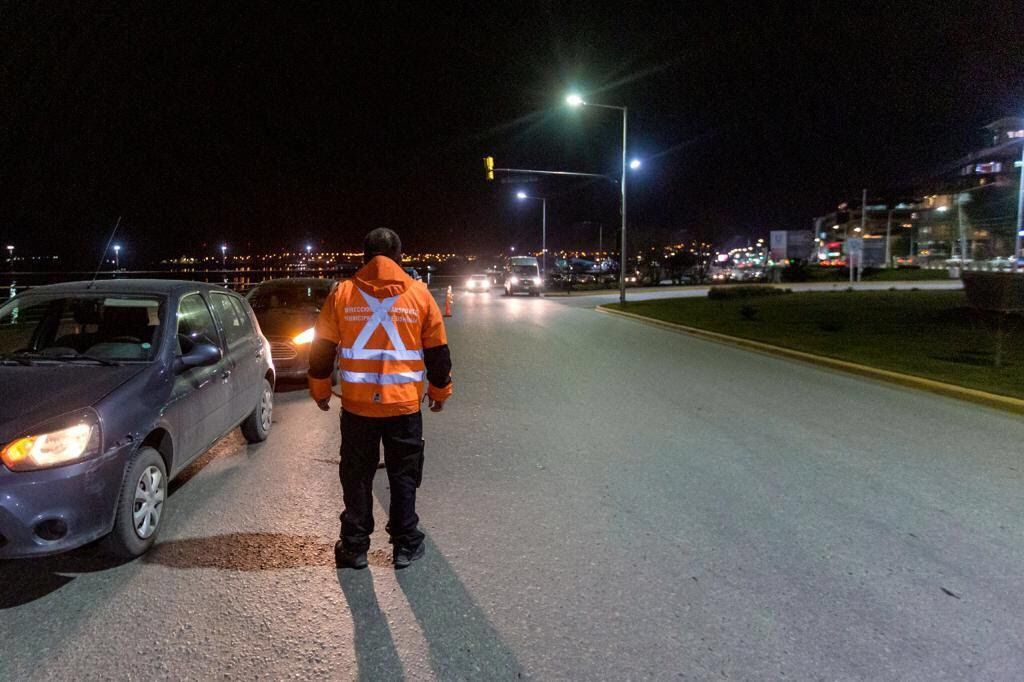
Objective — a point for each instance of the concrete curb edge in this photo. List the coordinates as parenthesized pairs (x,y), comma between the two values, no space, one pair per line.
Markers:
(1000,402)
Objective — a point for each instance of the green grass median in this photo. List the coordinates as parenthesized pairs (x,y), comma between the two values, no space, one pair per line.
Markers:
(931,334)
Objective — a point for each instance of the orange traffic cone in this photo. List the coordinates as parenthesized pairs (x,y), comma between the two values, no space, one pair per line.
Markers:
(448,303)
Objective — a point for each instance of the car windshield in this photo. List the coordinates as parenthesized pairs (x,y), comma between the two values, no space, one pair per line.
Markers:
(81,327)
(528,270)
(295,297)
(479,277)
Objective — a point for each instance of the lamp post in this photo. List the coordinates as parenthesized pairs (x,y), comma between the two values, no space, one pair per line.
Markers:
(117,256)
(1017,255)
(575,100)
(543,229)
(224,256)
(10,255)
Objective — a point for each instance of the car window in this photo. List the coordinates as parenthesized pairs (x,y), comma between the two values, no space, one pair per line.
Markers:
(111,327)
(232,320)
(195,324)
(243,315)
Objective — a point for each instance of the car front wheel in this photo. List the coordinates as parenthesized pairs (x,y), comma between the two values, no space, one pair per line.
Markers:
(140,506)
(256,426)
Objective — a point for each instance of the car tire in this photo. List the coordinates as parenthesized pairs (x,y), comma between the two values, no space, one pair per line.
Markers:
(256,426)
(140,506)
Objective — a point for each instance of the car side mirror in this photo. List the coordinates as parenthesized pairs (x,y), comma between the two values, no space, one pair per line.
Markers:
(202,355)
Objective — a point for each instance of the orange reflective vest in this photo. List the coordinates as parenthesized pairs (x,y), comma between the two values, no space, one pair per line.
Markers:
(381,320)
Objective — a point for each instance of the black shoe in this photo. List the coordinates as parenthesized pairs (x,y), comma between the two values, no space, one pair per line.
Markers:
(403,556)
(345,558)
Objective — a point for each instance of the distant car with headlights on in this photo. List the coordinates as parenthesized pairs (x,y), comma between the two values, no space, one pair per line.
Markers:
(110,390)
(522,275)
(287,310)
(478,283)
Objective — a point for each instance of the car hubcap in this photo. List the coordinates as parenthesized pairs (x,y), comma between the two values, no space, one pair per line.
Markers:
(266,408)
(149,502)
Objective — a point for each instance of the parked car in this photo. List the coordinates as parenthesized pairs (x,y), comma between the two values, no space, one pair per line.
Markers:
(414,273)
(478,283)
(110,390)
(287,310)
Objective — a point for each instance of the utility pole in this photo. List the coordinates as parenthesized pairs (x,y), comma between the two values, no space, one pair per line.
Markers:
(863,231)
(960,229)
(1020,210)
(888,240)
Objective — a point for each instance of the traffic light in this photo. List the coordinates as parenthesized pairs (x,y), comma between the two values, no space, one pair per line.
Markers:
(489,166)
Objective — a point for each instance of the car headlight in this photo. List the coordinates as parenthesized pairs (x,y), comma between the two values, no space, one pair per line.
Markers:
(305,337)
(54,448)
(514,280)
(470,284)
(536,281)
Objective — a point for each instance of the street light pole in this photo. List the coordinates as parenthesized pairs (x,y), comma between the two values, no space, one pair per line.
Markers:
(575,100)
(1020,215)
(117,256)
(622,266)
(543,229)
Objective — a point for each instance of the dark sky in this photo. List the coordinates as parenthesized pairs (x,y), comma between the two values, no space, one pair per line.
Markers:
(269,126)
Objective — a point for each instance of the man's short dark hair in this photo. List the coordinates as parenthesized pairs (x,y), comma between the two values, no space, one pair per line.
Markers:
(382,242)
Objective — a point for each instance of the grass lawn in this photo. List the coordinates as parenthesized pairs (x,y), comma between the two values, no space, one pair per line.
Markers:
(930,334)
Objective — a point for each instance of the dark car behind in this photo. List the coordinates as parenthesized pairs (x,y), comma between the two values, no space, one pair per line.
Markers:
(287,310)
(110,390)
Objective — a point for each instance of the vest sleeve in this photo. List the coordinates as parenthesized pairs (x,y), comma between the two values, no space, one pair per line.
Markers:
(327,323)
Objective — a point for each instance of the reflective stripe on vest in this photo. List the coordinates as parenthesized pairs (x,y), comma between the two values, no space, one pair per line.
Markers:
(381,379)
(380,317)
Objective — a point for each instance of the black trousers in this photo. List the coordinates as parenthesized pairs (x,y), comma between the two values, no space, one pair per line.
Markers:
(361,438)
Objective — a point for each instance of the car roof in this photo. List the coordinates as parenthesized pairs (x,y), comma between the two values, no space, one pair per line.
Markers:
(129,286)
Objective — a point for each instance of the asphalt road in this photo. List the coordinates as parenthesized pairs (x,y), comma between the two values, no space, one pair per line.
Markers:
(602,500)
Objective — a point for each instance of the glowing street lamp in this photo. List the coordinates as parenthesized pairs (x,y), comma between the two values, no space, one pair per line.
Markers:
(224,255)
(576,100)
(117,256)
(635,164)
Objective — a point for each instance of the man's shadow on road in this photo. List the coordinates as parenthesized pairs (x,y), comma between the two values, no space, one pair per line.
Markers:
(462,642)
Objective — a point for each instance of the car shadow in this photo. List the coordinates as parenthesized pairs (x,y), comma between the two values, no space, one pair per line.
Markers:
(23,581)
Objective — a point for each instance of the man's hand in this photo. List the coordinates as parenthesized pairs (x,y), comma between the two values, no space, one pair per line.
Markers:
(324,404)
(436,405)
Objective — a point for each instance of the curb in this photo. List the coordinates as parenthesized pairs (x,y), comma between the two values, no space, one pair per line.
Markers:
(1000,402)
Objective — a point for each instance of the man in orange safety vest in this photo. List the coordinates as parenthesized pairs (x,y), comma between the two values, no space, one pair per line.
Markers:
(383,333)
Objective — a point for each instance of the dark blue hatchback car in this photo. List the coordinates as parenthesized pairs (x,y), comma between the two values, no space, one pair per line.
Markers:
(109,390)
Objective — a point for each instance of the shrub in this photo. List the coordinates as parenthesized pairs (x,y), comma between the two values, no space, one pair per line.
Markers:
(748,312)
(796,271)
(731,293)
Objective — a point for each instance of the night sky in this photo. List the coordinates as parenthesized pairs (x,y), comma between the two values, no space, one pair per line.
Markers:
(267,128)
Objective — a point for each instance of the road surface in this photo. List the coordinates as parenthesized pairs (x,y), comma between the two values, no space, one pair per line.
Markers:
(602,500)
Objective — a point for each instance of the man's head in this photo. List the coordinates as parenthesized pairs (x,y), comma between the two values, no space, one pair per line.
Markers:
(382,242)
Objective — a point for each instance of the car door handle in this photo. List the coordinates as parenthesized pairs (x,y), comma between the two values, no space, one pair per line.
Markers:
(225,376)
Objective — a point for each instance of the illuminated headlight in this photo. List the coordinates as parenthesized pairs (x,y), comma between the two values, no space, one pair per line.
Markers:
(304,337)
(53,448)
(471,284)
(536,281)
(514,280)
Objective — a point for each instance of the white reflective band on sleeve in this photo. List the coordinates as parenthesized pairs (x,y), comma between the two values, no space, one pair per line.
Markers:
(381,379)
(375,354)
